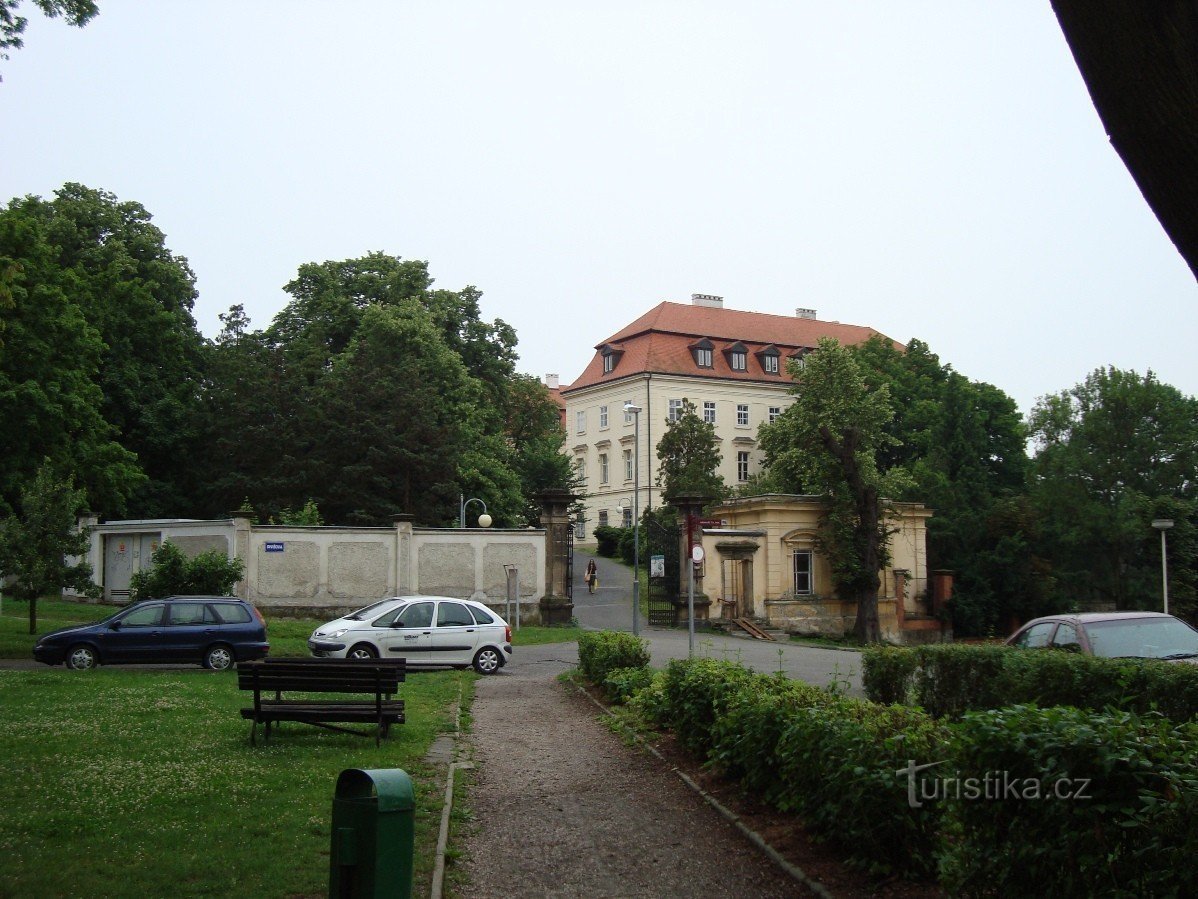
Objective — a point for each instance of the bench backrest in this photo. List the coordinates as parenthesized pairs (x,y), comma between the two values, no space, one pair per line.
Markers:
(320,676)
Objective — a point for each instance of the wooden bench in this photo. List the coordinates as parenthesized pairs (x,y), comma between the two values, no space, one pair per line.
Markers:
(324,676)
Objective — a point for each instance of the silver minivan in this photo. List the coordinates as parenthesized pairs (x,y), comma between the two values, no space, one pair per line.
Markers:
(426,631)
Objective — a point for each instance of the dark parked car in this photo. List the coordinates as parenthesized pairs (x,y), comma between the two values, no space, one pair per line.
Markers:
(1112,635)
(213,631)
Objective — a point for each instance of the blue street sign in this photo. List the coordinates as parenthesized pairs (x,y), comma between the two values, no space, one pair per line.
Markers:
(274,547)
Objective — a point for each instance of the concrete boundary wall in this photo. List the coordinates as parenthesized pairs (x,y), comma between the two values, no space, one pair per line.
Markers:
(319,570)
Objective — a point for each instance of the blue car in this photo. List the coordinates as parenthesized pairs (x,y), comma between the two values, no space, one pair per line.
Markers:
(213,631)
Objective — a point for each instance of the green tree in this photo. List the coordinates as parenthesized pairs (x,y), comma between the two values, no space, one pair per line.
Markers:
(51,400)
(828,442)
(689,457)
(38,543)
(534,431)
(171,573)
(1112,454)
(12,26)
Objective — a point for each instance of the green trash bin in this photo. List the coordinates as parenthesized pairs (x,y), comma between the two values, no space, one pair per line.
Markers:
(373,833)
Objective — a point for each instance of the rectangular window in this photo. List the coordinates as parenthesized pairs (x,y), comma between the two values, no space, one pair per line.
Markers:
(740,361)
(609,362)
(742,466)
(603,518)
(626,518)
(627,415)
(804,576)
(703,358)
(775,411)
(709,412)
(628,465)
(742,414)
(603,468)
(675,410)
(603,416)
(580,422)
(770,364)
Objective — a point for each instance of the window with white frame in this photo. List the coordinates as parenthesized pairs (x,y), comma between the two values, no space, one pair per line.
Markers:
(580,422)
(627,414)
(775,411)
(803,569)
(770,364)
(609,363)
(603,468)
(739,360)
(603,416)
(742,466)
(742,414)
(603,518)
(626,517)
(580,469)
(703,357)
(628,465)
(709,412)
(675,410)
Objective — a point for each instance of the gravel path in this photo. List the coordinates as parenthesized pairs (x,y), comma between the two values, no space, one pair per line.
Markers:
(564,808)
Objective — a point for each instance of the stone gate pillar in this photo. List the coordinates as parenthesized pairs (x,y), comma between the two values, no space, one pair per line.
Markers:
(691,506)
(556,607)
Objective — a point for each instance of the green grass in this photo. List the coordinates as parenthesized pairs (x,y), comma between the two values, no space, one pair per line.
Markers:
(123,783)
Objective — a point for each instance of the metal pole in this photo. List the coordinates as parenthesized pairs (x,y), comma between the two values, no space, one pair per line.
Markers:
(461,510)
(1165,570)
(636,523)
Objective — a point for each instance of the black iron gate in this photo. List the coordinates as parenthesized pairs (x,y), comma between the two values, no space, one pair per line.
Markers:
(662,563)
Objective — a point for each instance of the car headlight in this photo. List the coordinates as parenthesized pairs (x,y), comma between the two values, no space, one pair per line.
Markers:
(337,633)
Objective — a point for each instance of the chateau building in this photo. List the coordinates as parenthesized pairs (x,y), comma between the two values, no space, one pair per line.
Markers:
(730,364)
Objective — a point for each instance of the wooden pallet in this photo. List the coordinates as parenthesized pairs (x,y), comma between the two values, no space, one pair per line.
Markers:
(751,628)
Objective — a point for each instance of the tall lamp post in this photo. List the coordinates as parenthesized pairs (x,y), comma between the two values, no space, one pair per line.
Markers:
(484,520)
(1162,525)
(635,411)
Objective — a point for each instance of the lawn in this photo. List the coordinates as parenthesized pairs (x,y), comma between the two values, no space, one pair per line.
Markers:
(128,783)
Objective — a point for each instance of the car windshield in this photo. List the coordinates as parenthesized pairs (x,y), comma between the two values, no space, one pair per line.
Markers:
(1147,638)
(363,613)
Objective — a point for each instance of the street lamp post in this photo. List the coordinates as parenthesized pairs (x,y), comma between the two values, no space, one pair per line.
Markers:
(635,411)
(484,520)
(1162,525)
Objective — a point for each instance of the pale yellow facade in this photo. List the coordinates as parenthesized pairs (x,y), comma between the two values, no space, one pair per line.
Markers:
(763,563)
(601,438)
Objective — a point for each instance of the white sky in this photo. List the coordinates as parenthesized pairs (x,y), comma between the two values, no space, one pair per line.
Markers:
(931,169)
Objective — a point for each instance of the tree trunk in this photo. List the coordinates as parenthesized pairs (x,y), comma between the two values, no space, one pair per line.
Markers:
(33,614)
(869,511)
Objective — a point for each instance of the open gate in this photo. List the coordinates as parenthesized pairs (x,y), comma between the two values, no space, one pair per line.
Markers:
(662,545)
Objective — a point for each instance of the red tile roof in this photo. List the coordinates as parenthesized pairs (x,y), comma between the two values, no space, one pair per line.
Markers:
(660,342)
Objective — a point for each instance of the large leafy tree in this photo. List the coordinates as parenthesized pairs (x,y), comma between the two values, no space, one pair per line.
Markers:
(963,443)
(1114,453)
(689,457)
(136,296)
(40,544)
(534,431)
(828,442)
(51,354)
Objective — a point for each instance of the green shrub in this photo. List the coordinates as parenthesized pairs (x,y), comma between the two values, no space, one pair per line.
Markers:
(623,683)
(1135,833)
(171,573)
(950,680)
(888,673)
(649,703)
(697,692)
(602,652)
(608,539)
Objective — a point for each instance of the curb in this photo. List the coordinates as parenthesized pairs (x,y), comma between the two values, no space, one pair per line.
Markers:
(794,871)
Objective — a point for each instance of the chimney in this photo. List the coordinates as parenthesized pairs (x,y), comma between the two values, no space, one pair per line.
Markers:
(706,299)
(805,313)
(552,382)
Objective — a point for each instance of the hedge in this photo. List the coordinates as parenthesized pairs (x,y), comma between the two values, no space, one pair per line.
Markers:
(950,680)
(602,652)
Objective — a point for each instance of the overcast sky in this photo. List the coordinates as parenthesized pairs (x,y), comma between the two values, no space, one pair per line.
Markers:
(933,170)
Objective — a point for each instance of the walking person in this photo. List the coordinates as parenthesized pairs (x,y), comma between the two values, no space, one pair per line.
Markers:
(592,576)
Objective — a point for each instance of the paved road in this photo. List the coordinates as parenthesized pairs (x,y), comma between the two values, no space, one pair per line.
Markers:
(610,608)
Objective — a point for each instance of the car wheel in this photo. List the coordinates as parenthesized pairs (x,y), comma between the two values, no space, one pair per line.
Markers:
(82,658)
(219,658)
(487,660)
(362,651)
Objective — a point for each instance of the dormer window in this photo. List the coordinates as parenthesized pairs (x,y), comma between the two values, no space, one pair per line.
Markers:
(800,355)
(738,356)
(769,358)
(702,352)
(611,354)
